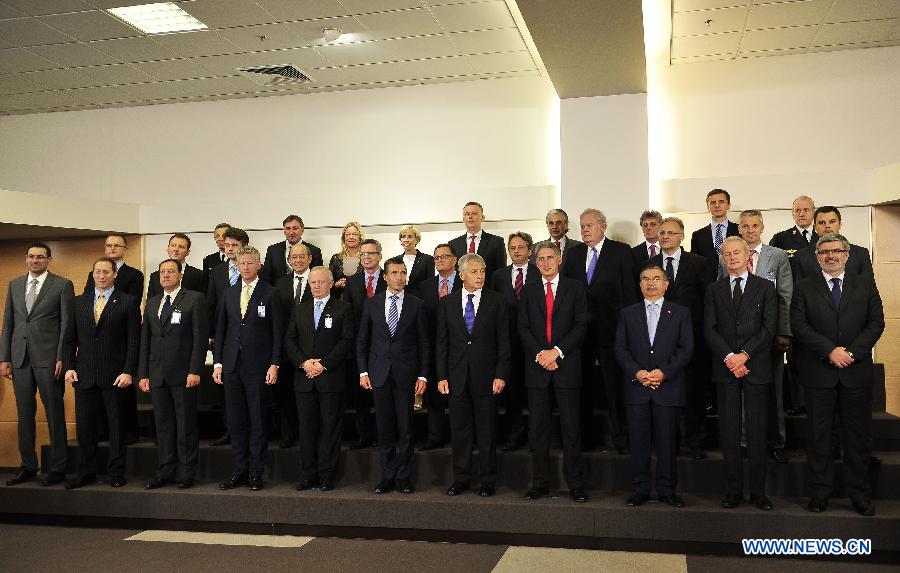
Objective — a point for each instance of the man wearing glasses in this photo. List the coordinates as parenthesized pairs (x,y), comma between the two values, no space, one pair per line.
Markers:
(828,221)
(128,279)
(838,316)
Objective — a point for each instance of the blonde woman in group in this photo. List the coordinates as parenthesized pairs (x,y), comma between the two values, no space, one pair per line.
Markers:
(346,263)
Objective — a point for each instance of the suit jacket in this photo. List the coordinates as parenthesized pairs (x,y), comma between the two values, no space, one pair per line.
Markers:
(859,263)
(694,275)
(256,337)
(476,358)
(285,289)
(431,299)
(640,255)
(492,249)
(193,279)
(44,329)
(821,327)
(100,351)
(423,269)
(275,264)
(568,244)
(211,261)
(219,281)
(611,288)
(502,283)
(750,329)
(355,292)
(671,351)
(170,351)
(568,329)
(403,355)
(128,280)
(702,242)
(791,240)
(330,343)
(774,265)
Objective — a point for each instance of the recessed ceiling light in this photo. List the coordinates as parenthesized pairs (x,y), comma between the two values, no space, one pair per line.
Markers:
(332,34)
(157,18)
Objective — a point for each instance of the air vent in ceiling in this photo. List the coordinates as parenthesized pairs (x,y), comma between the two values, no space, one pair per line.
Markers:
(275,75)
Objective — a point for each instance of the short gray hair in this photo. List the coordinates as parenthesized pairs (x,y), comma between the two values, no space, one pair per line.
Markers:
(601,218)
(547,245)
(249,250)
(751,213)
(469,258)
(325,270)
(675,220)
(557,212)
(735,239)
(831,238)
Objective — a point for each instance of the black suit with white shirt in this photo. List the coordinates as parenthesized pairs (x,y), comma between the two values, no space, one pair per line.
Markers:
(290,294)
(422,270)
(435,402)
(703,243)
(213,260)
(276,265)
(192,279)
(492,249)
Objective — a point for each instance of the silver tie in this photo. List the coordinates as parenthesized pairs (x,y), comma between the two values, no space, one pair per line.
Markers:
(30,296)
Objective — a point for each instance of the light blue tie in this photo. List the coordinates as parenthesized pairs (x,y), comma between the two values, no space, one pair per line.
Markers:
(317,313)
(719,238)
(469,314)
(393,315)
(592,266)
(652,320)
(233,276)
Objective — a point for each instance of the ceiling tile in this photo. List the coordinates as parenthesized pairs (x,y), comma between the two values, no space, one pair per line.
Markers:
(226,13)
(110,94)
(134,49)
(93,25)
(369,6)
(855,32)
(895,33)
(768,53)
(687,5)
(483,41)
(284,10)
(698,59)
(61,79)
(10,12)
(839,47)
(788,14)
(330,77)
(721,20)
(174,69)
(286,35)
(439,67)
(402,23)
(505,62)
(117,74)
(357,53)
(245,85)
(26,32)
(422,47)
(189,88)
(201,43)
(74,55)
(16,84)
(46,100)
(305,59)
(5,44)
(712,44)
(475,16)
(756,40)
(855,10)
(44,7)
(21,60)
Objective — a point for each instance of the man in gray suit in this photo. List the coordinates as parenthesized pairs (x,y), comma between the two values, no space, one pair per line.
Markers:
(38,307)
(558,225)
(774,265)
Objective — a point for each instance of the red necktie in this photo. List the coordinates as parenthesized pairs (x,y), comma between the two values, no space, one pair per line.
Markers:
(370,291)
(471,243)
(750,262)
(518,286)
(549,313)
(558,246)
(652,251)
(442,292)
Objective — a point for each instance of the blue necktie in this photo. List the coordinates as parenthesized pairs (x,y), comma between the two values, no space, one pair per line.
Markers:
(836,291)
(317,313)
(719,239)
(593,265)
(166,309)
(393,315)
(469,315)
(652,320)
(233,275)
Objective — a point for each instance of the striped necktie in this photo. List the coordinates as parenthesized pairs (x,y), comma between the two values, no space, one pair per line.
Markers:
(393,315)
(98,308)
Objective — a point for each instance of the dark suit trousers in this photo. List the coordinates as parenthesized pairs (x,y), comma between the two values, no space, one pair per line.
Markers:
(321,426)
(539,416)
(438,422)
(27,381)
(128,421)
(660,422)
(755,402)
(855,406)
(90,404)
(514,397)
(175,413)
(393,414)
(245,396)
(797,391)
(697,397)
(473,412)
(610,384)
(286,402)
(361,402)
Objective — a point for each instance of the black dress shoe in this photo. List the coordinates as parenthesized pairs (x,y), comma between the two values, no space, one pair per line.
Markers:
(458,488)
(779,455)
(285,444)
(186,484)
(537,493)
(798,411)
(637,498)
(384,486)
(81,481)
(235,481)
(21,477)
(579,495)
(671,499)
(697,453)
(622,450)
(761,502)
(117,481)
(223,441)
(361,444)
(255,483)
(731,501)
(405,486)
(306,484)
(487,490)
(430,445)
(816,505)
(863,507)
(53,478)
(327,484)
(156,483)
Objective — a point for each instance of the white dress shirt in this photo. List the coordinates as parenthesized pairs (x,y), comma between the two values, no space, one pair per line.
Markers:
(305,277)
(587,261)
(828,278)
(410,260)
(554,283)
(515,273)
(676,261)
(477,240)
(40,283)
(475,301)
(172,296)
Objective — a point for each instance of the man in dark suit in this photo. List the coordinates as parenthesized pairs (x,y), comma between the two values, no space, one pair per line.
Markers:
(365,284)
(433,291)
(605,266)
(319,336)
(247,356)
(173,352)
(509,282)
(558,225)
(654,342)
(277,263)
(649,247)
(477,240)
(213,260)
(101,359)
(392,358)
(741,314)
(838,316)
(128,279)
(32,348)
(828,222)
(707,242)
(553,318)
(688,276)
(178,249)
(473,358)
(420,265)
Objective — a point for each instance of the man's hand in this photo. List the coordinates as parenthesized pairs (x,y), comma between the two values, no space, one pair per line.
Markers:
(545,357)
(420,387)
(444,387)
(643,377)
(740,371)
(217,375)
(272,375)
(144,384)
(498,385)
(365,382)
(6,369)
(736,361)
(71,376)
(840,357)
(122,380)
(192,380)
(312,367)
(782,343)
(656,377)
(58,372)
(552,366)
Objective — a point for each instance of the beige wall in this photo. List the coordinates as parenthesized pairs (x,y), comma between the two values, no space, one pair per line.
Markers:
(886,231)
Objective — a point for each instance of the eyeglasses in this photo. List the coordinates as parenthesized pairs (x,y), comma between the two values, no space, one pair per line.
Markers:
(652,279)
(832,251)
(368,254)
(670,233)
(443,257)
(112,246)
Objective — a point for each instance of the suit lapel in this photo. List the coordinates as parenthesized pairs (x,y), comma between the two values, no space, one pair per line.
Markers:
(48,283)
(846,289)
(106,310)
(175,306)
(823,289)
(310,317)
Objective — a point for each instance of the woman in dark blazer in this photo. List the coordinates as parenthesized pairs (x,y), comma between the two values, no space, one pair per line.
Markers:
(346,263)
(419,265)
